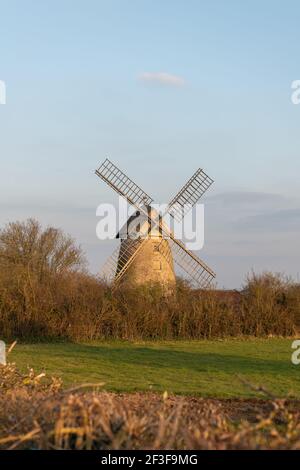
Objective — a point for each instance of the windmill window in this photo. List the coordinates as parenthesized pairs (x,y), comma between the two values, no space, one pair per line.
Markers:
(157,265)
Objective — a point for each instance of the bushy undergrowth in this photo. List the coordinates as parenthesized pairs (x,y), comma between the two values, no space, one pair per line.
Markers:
(37,413)
(45,293)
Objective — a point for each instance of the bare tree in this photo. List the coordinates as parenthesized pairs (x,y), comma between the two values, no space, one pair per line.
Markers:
(48,251)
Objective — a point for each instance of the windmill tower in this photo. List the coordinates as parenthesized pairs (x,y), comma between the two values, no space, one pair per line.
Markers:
(154,261)
(148,248)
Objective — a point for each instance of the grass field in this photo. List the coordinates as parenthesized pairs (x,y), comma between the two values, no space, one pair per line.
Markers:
(202,368)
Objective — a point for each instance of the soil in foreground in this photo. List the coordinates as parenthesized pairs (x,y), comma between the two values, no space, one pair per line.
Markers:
(38,413)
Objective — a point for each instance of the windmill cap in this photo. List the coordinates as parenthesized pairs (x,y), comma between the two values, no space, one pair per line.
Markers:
(138,224)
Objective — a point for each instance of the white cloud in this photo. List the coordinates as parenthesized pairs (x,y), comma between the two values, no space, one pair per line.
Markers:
(163,78)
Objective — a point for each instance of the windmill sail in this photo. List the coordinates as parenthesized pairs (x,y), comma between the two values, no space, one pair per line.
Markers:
(124,186)
(189,194)
(121,259)
(200,273)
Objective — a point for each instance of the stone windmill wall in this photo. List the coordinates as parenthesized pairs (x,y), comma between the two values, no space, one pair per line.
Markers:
(152,264)
(154,261)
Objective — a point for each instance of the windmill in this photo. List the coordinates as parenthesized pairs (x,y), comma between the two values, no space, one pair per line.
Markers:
(150,250)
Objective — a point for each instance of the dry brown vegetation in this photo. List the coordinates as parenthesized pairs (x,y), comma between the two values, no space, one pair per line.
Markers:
(46,293)
(37,413)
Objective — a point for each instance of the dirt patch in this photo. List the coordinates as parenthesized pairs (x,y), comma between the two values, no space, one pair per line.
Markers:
(37,413)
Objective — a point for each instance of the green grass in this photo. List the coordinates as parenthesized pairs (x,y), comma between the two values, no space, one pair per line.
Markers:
(205,368)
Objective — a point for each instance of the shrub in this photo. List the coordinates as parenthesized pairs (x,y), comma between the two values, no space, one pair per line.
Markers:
(46,293)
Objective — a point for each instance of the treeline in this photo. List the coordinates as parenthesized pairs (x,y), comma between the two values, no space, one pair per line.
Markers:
(47,294)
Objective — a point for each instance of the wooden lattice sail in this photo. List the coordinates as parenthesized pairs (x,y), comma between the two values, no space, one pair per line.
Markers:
(149,250)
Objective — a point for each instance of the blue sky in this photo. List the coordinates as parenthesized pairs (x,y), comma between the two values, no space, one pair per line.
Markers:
(76,94)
